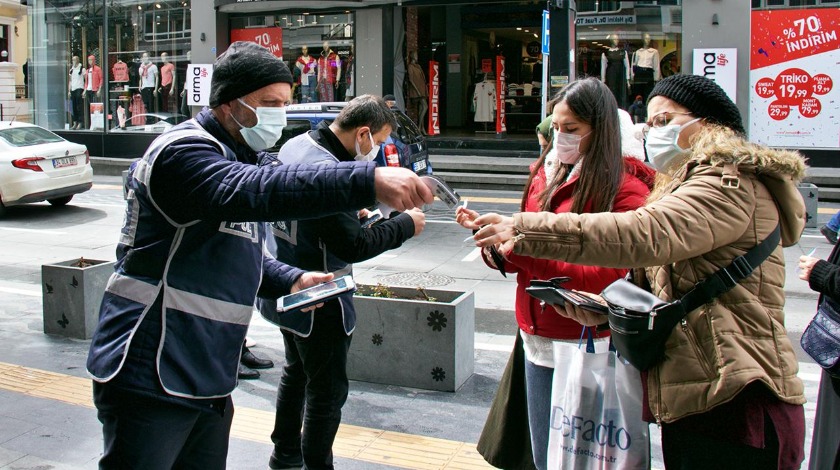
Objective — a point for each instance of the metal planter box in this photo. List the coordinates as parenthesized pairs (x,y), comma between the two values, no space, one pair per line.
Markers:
(72,296)
(414,343)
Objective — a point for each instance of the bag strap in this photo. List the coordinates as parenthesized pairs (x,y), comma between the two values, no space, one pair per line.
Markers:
(726,278)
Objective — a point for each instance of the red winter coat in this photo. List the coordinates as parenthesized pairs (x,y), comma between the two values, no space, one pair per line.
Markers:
(529,314)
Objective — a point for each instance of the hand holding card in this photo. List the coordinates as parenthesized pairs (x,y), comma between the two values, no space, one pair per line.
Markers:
(442,190)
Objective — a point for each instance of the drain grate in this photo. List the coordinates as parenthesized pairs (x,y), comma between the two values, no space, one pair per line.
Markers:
(415,280)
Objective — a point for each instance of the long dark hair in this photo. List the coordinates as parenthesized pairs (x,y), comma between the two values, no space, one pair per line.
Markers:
(602,166)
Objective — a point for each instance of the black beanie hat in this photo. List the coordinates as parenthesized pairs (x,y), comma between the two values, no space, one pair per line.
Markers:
(703,97)
(245,67)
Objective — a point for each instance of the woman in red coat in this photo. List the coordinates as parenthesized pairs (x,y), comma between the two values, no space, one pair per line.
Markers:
(583,171)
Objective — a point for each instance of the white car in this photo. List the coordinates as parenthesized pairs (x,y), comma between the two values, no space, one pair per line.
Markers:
(37,165)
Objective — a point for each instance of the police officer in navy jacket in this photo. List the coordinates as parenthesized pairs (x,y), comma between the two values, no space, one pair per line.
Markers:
(191,261)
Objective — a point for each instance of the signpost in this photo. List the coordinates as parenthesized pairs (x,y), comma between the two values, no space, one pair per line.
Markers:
(546,30)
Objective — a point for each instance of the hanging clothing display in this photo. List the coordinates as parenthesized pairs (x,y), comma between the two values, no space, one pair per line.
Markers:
(329,66)
(615,72)
(645,71)
(120,71)
(484,101)
(307,70)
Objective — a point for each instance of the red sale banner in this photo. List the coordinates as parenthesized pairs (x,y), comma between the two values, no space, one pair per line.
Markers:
(433,124)
(270,38)
(500,95)
(792,59)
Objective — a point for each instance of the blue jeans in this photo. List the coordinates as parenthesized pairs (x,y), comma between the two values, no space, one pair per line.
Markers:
(313,388)
(538,390)
(834,223)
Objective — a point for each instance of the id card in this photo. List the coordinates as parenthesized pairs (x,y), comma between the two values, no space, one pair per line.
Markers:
(442,190)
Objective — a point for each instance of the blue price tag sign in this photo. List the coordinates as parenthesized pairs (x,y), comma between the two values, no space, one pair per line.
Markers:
(545,32)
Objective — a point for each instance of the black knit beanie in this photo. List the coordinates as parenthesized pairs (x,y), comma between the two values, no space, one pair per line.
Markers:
(245,67)
(703,97)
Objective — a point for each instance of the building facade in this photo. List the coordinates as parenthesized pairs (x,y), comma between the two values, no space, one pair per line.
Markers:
(339,49)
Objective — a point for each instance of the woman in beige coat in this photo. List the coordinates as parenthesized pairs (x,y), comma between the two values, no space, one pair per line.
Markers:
(726,393)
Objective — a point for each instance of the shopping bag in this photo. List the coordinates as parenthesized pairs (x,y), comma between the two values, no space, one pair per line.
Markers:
(596,412)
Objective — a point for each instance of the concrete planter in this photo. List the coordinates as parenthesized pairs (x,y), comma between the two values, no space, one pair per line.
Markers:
(72,295)
(414,343)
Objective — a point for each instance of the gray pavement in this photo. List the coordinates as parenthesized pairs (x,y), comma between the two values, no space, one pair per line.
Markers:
(45,433)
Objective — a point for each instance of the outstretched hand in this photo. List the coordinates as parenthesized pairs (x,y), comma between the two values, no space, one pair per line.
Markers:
(496,230)
(309,279)
(806,265)
(401,189)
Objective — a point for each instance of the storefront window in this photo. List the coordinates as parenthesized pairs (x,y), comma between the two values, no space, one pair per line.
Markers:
(630,50)
(109,66)
(317,46)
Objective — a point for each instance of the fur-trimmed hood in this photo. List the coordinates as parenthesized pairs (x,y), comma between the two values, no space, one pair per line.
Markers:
(779,170)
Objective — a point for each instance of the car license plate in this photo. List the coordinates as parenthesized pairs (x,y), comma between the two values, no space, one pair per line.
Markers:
(419,166)
(63,162)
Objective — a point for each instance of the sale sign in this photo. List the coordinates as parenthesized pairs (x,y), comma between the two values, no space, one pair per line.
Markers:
(270,38)
(500,95)
(792,59)
(433,125)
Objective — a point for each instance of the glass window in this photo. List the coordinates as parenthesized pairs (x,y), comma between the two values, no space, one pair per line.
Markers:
(317,47)
(109,73)
(25,136)
(630,50)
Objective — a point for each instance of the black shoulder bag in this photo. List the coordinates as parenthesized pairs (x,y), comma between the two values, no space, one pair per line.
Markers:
(821,338)
(640,322)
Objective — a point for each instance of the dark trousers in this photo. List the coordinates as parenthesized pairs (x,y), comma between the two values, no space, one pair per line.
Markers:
(148,95)
(142,432)
(77,103)
(164,98)
(312,390)
(693,451)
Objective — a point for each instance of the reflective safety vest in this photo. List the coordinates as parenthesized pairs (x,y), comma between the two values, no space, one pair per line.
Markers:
(201,277)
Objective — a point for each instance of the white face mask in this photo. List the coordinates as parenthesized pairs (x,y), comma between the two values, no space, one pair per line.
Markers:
(567,147)
(268,129)
(661,145)
(374,149)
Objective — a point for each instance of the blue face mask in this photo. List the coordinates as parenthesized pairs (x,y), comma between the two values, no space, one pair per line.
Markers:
(268,129)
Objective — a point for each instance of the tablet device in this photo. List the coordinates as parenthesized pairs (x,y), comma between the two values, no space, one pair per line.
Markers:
(442,190)
(316,294)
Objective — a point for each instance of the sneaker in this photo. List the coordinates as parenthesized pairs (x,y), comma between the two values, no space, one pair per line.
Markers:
(247,374)
(829,234)
(254,362)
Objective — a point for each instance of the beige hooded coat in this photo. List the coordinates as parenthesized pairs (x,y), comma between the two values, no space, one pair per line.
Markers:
(725,199)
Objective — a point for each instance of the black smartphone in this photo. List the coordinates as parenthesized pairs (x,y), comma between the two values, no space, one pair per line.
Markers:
(498,260)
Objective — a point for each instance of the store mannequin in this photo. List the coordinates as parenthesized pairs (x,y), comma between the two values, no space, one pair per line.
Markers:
(185,109)
(417,92)
(119,71)
(615,71)
(75,91)
(93,82)
(645,70)
(345,83)
(307,70)
(329,71)
(168,76)
(149,80)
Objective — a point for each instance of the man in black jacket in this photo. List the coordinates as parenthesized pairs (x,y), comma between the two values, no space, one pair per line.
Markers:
(191,262)
(314,384)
